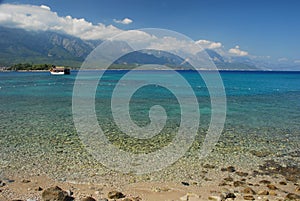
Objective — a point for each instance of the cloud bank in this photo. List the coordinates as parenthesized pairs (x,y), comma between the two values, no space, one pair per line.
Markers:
(31,17)
(42,18)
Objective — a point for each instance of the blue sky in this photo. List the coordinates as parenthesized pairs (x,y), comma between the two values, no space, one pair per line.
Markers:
(261,28)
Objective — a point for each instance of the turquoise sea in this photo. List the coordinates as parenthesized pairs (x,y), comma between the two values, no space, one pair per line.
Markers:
(37,133)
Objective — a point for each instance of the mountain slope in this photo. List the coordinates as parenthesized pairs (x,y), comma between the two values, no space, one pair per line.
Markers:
(20,46)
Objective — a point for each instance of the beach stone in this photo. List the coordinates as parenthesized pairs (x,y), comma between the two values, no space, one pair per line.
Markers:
(272,192)
(249,190)
(264,182)
(263,192)
(292,196)
(238,183)
(260,154)
(283,183)
(228,179)
(185,183)
(215,198)
(103,199)
(161,189)
(230,169)
(297,189)
(2,183)
(249,197)
(190,197)
(230,195)
(88,199)
(209,166)
(242,174)
(271,187)
(115,195)
(55,194)
(25,181)
(223,184)
(38,188)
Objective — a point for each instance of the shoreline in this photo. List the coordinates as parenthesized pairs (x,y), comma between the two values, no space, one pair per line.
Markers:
(201,70)
(230,183)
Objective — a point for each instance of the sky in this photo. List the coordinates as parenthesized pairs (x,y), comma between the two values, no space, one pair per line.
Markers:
(259,28)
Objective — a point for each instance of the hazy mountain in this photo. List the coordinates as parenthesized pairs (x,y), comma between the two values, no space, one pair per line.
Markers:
(37,47)
(21,46)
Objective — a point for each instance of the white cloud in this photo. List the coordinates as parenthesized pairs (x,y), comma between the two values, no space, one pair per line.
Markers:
(282,59)
(297,61)
(237,52)
(206,44)
(45,7)
(124,21)
(31,17)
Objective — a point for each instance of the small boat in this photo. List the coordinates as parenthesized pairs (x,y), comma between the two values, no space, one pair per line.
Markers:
(59,71)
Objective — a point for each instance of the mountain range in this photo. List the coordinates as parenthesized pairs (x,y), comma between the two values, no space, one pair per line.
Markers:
(37,47)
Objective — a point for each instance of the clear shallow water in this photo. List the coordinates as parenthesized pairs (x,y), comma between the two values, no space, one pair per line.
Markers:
(37,130)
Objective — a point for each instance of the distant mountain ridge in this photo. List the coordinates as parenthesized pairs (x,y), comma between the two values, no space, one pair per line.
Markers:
(21,46)
(37,47)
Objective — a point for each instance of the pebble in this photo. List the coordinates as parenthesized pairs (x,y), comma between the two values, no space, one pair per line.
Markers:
(38,188)
(242,174)
(55,194)
(209,166)
(25,181)
(283,183)
(297,189)
(88,199)
(271,187)
(272,192)
(215,198)
(293,196)
(190,197)
(265,182)
(249,190)
(2,183)
(249,197)
(185,183)
(230,195)
(115,195)
(228,179)
(103,199)
(263,192)
(230,169)
(238,183)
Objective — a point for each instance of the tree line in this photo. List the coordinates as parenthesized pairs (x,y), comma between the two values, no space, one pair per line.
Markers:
(27,66)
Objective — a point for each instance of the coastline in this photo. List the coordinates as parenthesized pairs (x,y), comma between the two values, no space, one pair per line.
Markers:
(228,185)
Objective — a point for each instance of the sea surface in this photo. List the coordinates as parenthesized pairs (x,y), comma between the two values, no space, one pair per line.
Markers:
(38,135)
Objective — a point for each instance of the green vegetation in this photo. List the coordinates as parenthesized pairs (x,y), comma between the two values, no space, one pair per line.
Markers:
(27,66)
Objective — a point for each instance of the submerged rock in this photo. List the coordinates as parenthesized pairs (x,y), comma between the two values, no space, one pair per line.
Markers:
(260,154)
